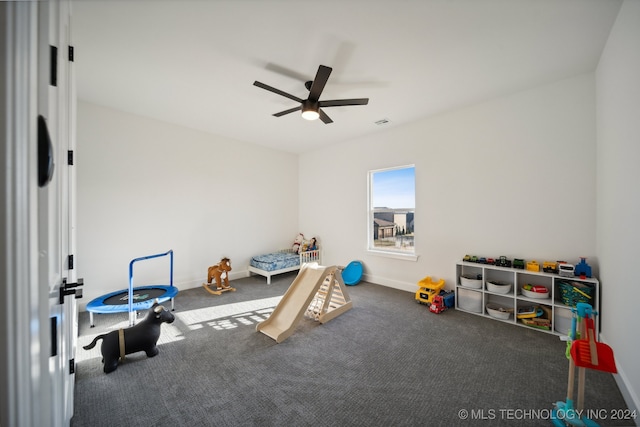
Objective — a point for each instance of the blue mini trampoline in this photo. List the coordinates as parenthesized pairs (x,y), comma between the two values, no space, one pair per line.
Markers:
(352,273)
(134,299)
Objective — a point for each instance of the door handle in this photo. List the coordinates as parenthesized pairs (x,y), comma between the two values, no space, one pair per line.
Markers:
(70,289)
(45,153)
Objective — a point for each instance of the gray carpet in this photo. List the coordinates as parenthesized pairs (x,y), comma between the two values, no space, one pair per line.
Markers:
(386,362)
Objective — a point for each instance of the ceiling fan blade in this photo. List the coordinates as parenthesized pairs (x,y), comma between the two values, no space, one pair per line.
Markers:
(278,91)
(318,82)
(326,119)
(342,102)
(286,72)
(282,113)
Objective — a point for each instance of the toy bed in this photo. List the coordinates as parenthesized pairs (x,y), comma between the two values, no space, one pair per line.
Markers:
(282,261)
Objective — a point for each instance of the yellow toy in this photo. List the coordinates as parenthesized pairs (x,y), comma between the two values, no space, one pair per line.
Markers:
(533,266)
(428,289)
(550,267)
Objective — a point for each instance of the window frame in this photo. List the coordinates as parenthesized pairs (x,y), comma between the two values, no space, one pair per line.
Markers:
(371,249)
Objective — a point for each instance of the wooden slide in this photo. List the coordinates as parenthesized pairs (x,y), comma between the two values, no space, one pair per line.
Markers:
(291,308)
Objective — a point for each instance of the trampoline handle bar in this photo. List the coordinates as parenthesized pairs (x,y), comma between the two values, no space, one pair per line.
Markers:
(133,261)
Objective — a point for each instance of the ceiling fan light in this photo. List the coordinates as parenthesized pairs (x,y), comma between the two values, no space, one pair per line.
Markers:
(310,110)
(310,114)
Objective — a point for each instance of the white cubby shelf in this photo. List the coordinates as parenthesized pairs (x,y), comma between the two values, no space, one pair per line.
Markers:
(474,297)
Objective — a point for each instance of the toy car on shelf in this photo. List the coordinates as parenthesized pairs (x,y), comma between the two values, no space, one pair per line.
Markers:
(550,267)
(518,263)
(533,266)
(503,262)
(566,269)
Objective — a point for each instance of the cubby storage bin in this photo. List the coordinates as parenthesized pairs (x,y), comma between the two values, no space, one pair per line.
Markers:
(469,300)
(556,304)
(497,287)
(499,307)
(562,321)
(498,282)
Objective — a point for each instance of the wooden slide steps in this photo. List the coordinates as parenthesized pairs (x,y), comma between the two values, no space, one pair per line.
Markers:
(317,292)
(331,300)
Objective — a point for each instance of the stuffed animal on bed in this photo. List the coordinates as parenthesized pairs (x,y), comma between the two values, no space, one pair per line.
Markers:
(312,245)
(297,243)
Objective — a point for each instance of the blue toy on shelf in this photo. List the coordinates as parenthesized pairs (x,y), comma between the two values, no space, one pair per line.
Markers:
(582,268)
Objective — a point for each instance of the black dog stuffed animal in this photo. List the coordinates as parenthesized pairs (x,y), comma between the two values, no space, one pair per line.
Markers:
(140,337)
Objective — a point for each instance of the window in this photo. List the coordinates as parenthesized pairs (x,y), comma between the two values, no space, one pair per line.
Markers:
(392,195)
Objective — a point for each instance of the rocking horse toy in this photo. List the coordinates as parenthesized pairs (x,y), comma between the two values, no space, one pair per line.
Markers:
(219,273)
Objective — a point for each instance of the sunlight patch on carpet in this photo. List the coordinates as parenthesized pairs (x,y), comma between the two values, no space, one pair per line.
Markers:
(229,316)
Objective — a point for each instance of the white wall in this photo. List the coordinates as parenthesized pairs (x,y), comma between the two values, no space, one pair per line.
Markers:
(514,176)
(618,120)
(145,187)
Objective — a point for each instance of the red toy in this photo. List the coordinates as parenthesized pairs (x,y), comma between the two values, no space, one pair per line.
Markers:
(437,306)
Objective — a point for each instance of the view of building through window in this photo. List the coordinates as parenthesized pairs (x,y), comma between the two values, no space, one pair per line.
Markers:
(391,209)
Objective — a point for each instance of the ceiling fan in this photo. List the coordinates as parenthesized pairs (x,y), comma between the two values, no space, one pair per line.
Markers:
(312,106)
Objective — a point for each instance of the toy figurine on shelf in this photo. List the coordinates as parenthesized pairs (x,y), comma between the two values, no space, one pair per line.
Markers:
(582,269)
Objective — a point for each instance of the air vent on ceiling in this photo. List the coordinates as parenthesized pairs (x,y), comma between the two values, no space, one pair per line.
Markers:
(382,121)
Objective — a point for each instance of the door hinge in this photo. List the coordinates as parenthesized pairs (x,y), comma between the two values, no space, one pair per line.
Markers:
(72,366)
(53,74)
(70,157)
(70,262)
(70,289)
(71,58)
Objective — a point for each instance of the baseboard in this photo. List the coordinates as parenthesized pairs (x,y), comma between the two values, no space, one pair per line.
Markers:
(233,275)
(240,274)
(628,393)
(188,284)
(395,284)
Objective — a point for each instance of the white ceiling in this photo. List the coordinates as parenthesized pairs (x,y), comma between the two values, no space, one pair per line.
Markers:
(193,63)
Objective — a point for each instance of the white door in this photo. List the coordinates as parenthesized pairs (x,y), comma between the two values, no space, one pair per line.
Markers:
(56,205)
(38,318)
(73,283)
